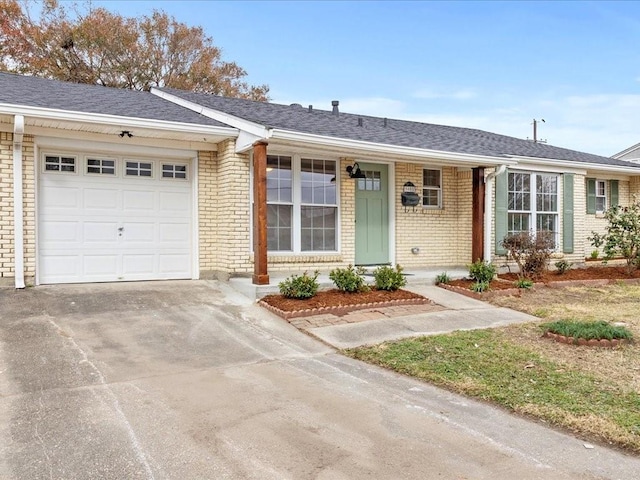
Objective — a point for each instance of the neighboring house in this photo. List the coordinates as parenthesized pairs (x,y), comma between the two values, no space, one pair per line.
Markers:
(116,185)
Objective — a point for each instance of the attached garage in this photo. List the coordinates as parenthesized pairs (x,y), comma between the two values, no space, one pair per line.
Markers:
(108,218)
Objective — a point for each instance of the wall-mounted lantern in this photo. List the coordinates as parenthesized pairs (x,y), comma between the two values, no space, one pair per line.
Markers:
(354,171)
(409,197)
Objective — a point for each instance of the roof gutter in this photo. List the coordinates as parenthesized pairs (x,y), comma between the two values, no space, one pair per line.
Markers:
(385,149)
(577,165)
(18,213)
(115,120)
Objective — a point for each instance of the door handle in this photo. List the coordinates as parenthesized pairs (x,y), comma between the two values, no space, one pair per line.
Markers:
(121,229)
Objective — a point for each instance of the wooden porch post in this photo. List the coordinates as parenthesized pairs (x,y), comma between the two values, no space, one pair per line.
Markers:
(260,273)
(477,215)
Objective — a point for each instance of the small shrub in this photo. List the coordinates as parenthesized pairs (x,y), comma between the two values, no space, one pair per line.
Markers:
(348,279)
(388,278)
(482,272)
(562,266)
(622,237)
(524,283)
(588,330)
(479,287)
(443,278)
(595,254)
(300,287)
(531,251)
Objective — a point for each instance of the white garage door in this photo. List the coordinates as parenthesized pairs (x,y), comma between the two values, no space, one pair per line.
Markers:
(108,219)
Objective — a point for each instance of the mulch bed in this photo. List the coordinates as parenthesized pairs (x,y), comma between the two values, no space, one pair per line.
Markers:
(337,302)
(504,284)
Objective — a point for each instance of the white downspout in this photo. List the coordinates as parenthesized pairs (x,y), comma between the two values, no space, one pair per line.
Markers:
(18,213)
(488,210)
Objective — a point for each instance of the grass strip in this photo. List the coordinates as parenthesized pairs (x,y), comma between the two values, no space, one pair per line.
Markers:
(486,365)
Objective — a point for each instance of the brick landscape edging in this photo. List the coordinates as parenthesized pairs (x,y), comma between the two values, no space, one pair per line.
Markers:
(341,310)
(585,343)
(478,296)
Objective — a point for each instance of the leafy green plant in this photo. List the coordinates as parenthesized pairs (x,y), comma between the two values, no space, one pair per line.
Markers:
(622,237)
(299,286)
(530,251)
(443,278)
(387,278)
(479,287)
(562,266)
(482,272)
(524,283)
(588,330)
(594,253)
(348,279)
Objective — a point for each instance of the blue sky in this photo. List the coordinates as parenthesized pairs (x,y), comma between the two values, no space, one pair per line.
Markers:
(489,65)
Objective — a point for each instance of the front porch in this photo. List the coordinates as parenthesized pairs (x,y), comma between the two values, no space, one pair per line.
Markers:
(415,277)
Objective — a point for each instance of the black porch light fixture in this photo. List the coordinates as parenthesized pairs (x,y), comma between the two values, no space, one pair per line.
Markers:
(354,171)
(124,133)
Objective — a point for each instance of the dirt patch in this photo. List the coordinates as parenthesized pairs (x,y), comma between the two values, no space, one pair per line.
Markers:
(588,273)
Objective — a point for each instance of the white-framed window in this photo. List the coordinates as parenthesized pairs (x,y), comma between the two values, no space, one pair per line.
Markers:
(302,204)
(138,169)
(533,203)
(60,163)
(431,188)
(601,195)
(172,170)
(101,166)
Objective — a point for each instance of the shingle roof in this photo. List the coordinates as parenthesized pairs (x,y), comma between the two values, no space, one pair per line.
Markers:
(400,133)
(75,97)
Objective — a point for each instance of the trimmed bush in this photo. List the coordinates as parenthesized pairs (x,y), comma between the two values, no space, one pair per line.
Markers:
(531,251)
(388,278)
(300,287)
(482,272)
(563,266)
(349,279)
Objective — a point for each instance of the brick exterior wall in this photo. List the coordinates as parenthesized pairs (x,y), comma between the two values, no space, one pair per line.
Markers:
(7,251)
(443,236)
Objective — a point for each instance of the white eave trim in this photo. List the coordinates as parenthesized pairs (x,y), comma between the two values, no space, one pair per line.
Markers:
(115,120)
(252,128)
(388,150)
(561,165)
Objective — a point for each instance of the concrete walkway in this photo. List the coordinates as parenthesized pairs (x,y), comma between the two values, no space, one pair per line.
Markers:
(459,313)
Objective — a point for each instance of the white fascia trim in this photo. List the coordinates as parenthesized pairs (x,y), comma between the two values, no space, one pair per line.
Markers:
(386,149)
(18,214)
(536,167)
(103,119)
(569,165)
(236,122)
(625,151)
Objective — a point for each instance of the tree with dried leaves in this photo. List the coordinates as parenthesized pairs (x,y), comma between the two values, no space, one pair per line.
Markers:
(94,45)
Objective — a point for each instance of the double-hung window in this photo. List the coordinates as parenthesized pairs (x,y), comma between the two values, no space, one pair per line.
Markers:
(601,195)
(302,204)
(533,203)
(431,188)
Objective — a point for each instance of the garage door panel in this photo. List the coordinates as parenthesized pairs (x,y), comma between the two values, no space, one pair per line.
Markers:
(173,264)
(61,266)
(139,200)
(100,267)
(139,232)
(60,231)
(113,228)
(174,232)
(100,199)
(175,202)
(61,198)
(102,232)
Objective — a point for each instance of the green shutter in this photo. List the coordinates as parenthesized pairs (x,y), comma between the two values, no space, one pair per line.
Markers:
(591,195)
(501,210)
(567,213)
(613,188)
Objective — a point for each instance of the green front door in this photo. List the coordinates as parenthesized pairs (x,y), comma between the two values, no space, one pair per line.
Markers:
(372,215)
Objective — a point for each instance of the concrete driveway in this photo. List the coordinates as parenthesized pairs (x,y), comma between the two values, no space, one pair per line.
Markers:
(190,380)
